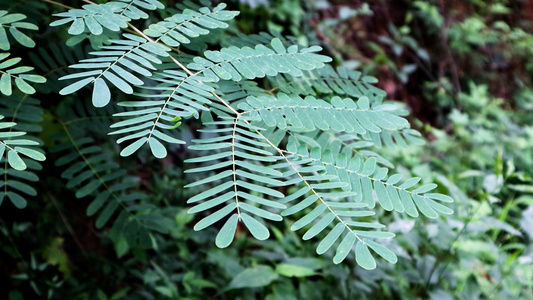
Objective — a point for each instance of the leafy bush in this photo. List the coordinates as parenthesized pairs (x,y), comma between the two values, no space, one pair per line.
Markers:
(257,141)
(249,127)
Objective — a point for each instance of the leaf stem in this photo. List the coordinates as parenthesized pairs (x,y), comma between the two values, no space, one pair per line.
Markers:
(58,4)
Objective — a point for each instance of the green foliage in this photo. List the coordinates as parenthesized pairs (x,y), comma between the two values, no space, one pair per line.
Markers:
(112,15)
(258,142)
(254,146)
(268,146)
(18,150)
(12,21)
(16,74)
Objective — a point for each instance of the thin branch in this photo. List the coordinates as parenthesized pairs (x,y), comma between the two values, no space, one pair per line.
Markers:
(58,4)
(66,222)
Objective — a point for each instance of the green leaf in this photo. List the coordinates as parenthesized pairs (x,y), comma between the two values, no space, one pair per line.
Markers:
(259,178)
(127,122)
(329,185)
(21,142)
(5,84)
(369,166)
(213,178)
(258,276)
(33,154)
(213,191)
(132,148)
(10,62)
(11,18)
(408,203)
(310,217)
(166,137)
(17,200)
(158,150)
(383,196)
(319,226)
(260,189)
(15,161)
(4,41)
(260,212)
(382,251)
(11,134)
(76,86)
(424,207)
(227,232)
(88,188)
(215,217)
(93,26)
(212,203)
(425,188)
(278,46)
(119,83)
(20,70)
(101,94)
(77,27)
(332,236)
(24,86)
(289,270)
(363,256)
(106,214)
(25,25)
(439,207)
(301,205)
(23,39)
(33,78)
(440,197)
(97,203)
(26,189)
(374,234)
(258,230)
(344,248)
(410,182)
(210,146)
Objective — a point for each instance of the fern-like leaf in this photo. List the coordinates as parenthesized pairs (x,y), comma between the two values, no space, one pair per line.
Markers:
(237,63)
(301,115)
(351,144)
(135,53)
(185,94)
(9,73)
(393,138)
(13,145)
(22,151)
(328,81)
(177,29)
(111,15)
(182,97)
(90,172)
(133,9)
(234,92)
(12,21)
(364,178)
(323,193)
(241,40)
(243,180)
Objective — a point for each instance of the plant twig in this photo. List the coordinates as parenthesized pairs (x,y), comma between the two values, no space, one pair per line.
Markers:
(66,222)
(435,265)
(59,4)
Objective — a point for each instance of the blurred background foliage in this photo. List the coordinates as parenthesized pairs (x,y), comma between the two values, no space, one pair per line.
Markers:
(463,69)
